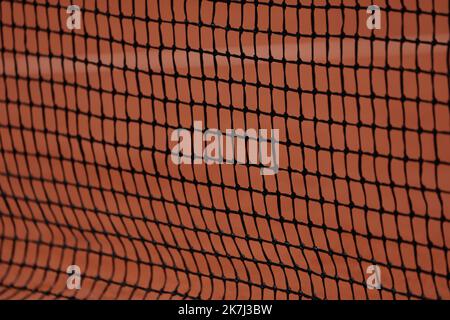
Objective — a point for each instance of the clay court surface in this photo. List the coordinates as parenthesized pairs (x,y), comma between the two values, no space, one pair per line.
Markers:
(86,176)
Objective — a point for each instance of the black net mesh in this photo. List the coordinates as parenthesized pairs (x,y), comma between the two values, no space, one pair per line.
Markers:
(86,176)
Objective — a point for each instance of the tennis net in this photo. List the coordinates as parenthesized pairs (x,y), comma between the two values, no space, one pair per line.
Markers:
(86,176)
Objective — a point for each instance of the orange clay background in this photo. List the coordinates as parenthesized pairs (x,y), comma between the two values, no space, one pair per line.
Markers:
(86,176)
